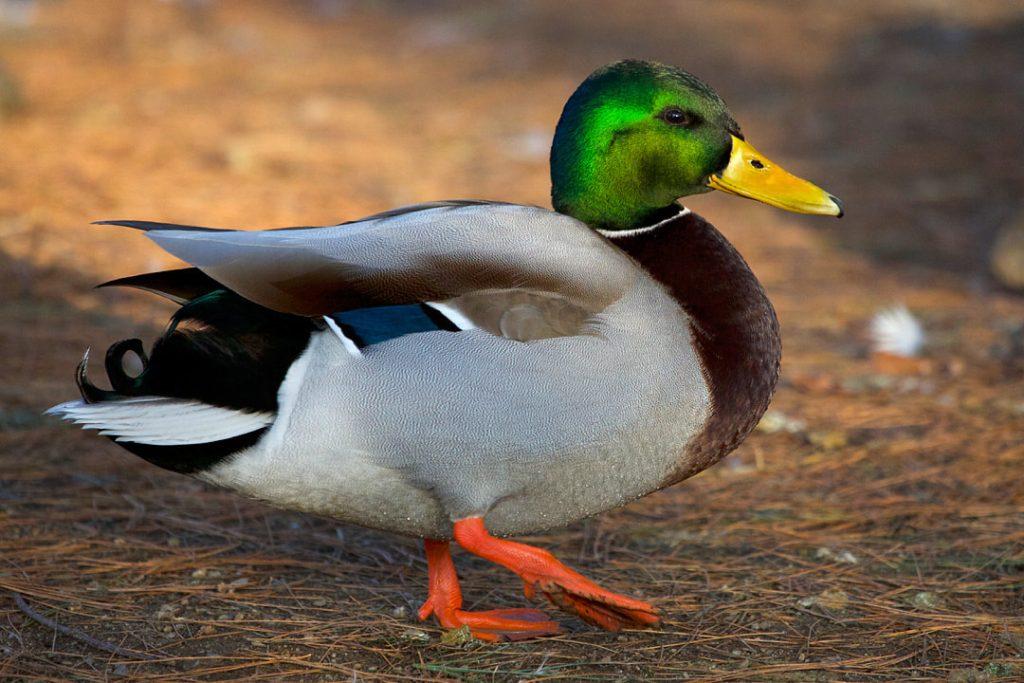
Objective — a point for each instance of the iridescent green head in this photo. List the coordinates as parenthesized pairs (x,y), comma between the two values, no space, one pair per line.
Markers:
(636,136)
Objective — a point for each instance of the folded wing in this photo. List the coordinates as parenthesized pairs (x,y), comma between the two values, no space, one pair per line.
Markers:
(433,253)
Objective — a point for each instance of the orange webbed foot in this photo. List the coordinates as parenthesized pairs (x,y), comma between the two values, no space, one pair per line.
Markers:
(565,588)
(445,603)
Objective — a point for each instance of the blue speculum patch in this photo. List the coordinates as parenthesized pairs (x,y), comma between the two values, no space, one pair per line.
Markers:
(369,326)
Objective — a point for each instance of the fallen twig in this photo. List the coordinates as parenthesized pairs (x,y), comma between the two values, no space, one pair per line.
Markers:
(78,635)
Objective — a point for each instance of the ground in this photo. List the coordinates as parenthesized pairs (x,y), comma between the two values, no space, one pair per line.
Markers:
(871,529)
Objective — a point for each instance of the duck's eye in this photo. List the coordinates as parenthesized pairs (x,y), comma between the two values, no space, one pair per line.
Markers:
(677,117)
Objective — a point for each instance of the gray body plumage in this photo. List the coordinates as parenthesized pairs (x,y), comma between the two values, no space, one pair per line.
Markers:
(577,390)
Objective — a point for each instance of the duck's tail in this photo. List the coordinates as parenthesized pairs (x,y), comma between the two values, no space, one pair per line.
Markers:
(207,389)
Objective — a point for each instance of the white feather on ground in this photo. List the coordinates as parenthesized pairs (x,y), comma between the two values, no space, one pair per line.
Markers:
(895,330)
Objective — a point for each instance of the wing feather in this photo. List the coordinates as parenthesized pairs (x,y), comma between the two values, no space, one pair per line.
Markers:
(431,254)
(180,285)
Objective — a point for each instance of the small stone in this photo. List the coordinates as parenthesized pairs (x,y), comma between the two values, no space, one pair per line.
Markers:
(230,586)
(831,599)
(319,602)
(775,421)
(166,611)
(415,634)
(843,556)
(846,557)
(457,636)
(926,600)
(199,573)
(399,612)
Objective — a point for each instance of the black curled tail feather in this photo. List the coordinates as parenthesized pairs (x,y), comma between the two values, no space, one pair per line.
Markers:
(122,385)
(89,391)
(219,348)
(119,379)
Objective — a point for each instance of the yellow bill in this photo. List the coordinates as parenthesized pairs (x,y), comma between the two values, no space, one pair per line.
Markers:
(750,174)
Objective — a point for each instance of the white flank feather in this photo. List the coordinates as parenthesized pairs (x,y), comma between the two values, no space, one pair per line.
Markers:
(288,393)
(349,345)
(896,331)
(453,314)
(160,421)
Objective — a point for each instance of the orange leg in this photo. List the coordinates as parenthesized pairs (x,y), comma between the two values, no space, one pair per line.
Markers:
(567,589)
(445,602)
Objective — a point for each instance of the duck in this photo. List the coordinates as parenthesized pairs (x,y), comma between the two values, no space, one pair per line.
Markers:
(466,371)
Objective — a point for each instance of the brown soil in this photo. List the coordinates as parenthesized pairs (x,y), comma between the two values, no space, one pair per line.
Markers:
(877,535)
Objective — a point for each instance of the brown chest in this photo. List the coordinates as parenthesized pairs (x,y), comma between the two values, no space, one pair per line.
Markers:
(734,327)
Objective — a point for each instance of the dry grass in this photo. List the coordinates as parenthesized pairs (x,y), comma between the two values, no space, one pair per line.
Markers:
(882,540)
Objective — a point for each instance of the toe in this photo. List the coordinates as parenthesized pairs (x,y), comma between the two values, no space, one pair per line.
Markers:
(507,620)
(517,614)
(509,624)
(541,630)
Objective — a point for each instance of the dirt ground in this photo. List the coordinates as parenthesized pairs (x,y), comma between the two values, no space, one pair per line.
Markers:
(872,529)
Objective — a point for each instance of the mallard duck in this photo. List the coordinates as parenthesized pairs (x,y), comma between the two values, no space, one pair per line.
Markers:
(471,370)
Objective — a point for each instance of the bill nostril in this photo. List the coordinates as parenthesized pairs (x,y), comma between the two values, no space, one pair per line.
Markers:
(757,163)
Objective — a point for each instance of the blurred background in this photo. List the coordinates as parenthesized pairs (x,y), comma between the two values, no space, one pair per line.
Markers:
(873,523)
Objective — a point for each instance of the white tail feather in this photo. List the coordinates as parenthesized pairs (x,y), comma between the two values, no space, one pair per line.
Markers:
(160,421)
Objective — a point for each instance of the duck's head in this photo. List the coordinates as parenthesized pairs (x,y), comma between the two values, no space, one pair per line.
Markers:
(636,136)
